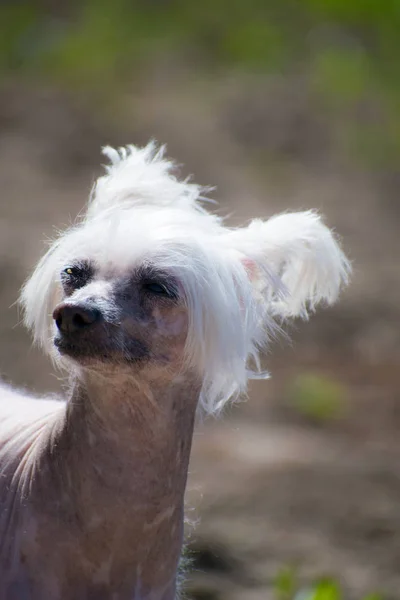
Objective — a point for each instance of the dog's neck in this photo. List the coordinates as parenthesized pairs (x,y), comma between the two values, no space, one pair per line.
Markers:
(126,445)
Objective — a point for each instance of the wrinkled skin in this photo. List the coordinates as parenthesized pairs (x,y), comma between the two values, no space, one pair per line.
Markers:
(92,489)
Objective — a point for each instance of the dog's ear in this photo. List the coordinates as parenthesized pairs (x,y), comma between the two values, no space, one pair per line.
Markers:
(293,261)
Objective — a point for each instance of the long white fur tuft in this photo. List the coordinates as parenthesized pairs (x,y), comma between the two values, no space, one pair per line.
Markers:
(137,176)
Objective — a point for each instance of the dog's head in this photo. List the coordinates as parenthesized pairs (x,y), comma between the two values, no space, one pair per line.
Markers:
(149,280)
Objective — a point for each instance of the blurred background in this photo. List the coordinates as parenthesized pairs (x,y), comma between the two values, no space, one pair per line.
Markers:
(285,104)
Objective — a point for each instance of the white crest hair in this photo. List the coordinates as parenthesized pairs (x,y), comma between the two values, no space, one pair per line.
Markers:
(238,283)
(142,176)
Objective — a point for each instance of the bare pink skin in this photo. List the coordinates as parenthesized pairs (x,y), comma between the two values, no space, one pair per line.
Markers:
(92,495)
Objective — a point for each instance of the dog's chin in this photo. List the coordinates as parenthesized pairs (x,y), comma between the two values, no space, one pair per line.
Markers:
(77,353)
(88,353)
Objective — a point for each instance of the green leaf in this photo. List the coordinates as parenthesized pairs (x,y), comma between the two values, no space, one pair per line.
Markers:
(285,584)
(327,590)
(318,397)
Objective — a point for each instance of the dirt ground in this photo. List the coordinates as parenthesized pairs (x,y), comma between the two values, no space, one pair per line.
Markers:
(268,487)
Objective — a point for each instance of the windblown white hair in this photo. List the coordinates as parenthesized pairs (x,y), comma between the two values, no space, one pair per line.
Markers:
(142,176)
(238,283)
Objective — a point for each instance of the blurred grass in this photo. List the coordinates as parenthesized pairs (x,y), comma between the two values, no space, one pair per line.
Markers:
(349,49)
(317,397)
(287,588)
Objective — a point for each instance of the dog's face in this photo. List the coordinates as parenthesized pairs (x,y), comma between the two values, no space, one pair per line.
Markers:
(121,319)
(149,280)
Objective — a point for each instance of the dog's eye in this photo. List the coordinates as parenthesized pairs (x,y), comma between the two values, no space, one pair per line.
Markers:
(158,289)
(73,272)
(75,277)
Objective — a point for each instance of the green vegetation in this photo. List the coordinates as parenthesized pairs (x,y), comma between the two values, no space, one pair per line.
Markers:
(287,588)
(254,34)
(348,51)
(317,397)
(351,49)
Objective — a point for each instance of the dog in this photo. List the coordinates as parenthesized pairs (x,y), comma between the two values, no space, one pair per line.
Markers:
(156,311)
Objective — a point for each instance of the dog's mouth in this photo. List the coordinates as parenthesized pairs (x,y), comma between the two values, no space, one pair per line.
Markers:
(76,349)
(85,350)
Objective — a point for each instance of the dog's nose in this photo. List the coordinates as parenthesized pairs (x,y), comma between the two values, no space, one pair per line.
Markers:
(70,318)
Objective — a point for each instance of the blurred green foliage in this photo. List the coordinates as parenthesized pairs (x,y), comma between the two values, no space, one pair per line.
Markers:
(287,587)
(317,397)
(285,584)
(350,49)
